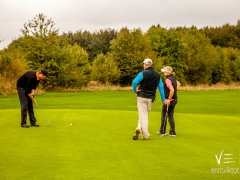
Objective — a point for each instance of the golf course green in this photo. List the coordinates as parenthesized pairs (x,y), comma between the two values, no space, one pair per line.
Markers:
(90,137)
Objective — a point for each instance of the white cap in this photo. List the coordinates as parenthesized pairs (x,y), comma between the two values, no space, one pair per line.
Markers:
(167,69)
(147,61)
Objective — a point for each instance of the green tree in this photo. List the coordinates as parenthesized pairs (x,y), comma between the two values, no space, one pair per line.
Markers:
(75,72)
(237,35)
(228,65)
(158,37)
(169,48)
(44,49)
(129,50)
(237,72)
(101,42)
(39,26)
(12,65)
(221,68)
(94,43)
(226,35)
(105,70)
(199,55)
(42,53)
(186,50)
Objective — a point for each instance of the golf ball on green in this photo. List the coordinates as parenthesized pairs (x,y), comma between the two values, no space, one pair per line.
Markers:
(70,124)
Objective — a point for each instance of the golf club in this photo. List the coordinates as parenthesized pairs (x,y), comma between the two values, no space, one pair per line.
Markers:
(43,115)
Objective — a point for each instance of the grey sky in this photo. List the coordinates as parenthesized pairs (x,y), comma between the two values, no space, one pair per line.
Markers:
(93,15)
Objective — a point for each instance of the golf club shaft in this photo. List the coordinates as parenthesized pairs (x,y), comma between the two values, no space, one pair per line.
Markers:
(165,119)
(42,113)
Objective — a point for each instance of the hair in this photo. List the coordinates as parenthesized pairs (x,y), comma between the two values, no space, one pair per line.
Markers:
(168,68)
(44,72)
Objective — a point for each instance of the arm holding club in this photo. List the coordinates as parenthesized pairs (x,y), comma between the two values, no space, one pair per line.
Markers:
(31,95)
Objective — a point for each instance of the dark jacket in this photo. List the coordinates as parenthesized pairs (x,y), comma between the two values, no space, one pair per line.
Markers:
(28,81)
(174,84)
(149,83)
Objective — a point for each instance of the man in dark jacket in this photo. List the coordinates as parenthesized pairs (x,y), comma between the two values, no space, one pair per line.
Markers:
(26,86)
(149,80)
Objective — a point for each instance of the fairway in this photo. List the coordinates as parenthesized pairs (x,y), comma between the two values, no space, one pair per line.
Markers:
(98,145)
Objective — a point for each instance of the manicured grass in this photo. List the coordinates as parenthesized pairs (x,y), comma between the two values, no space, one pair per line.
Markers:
(99,144)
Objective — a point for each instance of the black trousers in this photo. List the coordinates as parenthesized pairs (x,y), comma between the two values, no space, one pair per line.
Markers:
(170,114)
(26,107)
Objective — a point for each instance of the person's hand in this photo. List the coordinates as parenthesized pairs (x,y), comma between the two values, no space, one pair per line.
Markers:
(34,101)
(137,91)
(31,95)
(167,102)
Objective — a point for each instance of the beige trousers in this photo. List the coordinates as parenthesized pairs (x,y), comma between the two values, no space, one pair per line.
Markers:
(144,108)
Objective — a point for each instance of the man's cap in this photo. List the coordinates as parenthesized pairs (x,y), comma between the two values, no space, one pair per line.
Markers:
(44,72)
(147,61)
(167,69)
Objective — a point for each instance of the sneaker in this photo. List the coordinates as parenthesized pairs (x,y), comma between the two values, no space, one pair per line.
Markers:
(160,134)
(137,132)
(172,135)
(25,126)
(35,125)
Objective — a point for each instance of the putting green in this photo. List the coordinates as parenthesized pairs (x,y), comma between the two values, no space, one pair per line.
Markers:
(99,145)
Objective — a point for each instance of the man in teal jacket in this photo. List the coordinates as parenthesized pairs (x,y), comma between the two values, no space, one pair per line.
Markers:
(149,80)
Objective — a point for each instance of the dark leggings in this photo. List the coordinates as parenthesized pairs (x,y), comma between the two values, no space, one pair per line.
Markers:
(170,114)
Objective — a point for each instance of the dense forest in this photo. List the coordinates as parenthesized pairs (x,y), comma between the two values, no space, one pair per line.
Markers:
(198,56)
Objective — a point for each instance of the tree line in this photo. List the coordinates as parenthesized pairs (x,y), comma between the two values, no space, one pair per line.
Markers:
(198,56)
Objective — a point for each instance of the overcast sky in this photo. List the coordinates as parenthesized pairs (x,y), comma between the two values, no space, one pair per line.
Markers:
(93,15)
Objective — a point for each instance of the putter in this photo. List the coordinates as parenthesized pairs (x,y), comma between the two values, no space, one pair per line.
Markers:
(43,115)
